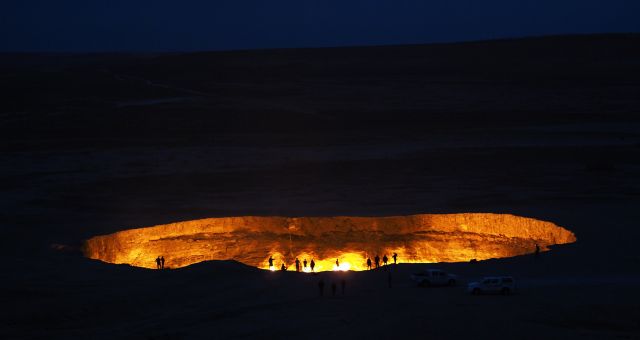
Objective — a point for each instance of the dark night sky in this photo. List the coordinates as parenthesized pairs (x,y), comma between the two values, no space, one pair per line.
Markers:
(173,25)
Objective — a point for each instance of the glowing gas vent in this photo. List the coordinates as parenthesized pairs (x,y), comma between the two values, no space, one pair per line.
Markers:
(252,240)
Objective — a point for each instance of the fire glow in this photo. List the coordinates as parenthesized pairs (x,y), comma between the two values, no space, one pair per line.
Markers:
(425,238)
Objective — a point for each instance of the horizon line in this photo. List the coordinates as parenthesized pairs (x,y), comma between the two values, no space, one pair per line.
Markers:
(338,46)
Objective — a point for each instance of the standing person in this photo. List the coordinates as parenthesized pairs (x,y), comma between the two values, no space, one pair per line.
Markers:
(337,263)
(395,258)
(321,286)
(343,285)
(537,250)
(385,259)
(305,264)
(158,262)
(369,263)
(313,264)
(333,288)
(270,262)
(377,260)
(162,261)
(297,265)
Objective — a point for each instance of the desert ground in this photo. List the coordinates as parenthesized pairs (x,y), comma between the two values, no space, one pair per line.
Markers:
(547,128)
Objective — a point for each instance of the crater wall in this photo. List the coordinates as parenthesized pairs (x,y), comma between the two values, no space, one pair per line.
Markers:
(252,239)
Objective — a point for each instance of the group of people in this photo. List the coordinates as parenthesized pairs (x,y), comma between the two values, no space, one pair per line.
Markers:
(302,266)
(385,260)
(304,263)
(334,287)
(160,262)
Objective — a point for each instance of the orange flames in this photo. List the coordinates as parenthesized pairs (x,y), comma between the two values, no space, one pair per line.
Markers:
(350,240)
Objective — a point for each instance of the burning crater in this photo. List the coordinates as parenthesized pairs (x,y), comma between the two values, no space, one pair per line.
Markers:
(251,240)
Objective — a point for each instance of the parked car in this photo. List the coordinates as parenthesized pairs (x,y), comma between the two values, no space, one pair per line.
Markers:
(504,285)
(434,277)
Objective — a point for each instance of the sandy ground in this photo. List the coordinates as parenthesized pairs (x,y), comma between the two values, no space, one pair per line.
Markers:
(545,128)
(226,299)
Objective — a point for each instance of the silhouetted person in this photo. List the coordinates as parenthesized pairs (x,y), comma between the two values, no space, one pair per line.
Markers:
(337,263)
(297,265)
(333,288)
(304,263)
(158,262)
(385,259)
(270,262)
(162,261)
(283,268)
(395,258)
(313,264)
(369,263)
(537,250)
(321,286)
(343,285)
(377,260)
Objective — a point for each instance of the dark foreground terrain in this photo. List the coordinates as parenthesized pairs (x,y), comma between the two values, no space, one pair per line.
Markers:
(547,128)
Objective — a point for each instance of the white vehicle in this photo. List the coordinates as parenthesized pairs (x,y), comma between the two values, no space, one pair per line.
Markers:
(434,277)
(504,285)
